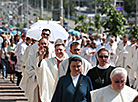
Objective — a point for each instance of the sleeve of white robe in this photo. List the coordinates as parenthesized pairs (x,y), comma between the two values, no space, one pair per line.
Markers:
(46,82)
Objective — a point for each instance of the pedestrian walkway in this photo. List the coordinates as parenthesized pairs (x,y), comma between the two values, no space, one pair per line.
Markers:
(9,92)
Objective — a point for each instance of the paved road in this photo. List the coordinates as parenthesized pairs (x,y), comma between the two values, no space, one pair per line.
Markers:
(9,92)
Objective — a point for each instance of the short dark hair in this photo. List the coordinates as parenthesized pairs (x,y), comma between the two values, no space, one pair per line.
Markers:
(74,44)
(46,30)
(28,38)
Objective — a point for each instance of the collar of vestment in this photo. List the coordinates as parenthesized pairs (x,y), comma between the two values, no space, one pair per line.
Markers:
(60,59)
(103,67)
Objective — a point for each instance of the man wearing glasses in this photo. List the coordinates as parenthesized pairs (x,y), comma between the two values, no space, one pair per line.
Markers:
(45,34)
(117,91)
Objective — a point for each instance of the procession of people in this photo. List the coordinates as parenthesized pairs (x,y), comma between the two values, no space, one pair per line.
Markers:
(80,68)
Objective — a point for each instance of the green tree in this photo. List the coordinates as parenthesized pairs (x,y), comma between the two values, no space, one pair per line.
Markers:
(97,23)
(134,32)
(81,25)
(114,25)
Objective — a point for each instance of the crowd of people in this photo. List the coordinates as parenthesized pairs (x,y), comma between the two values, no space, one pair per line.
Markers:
(82,68)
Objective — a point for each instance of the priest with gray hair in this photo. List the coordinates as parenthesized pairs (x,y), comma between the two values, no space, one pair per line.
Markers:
(117,91)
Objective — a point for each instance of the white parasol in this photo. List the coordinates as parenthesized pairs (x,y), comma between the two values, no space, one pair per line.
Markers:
(57,31)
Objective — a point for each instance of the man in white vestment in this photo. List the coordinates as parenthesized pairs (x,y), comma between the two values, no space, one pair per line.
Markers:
(73,38)
(29,82)
(75,48)
(18,67)
(117,91)
(25,82)
(47,72)
(122,52)
(130,63)
(134,66)
(112,46)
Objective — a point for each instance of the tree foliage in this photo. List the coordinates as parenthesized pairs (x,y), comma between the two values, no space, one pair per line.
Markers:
(97,22)
(114,25)
(81,25)
(134,32)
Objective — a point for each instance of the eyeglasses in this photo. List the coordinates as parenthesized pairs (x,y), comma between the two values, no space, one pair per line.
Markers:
(103,56)
(117,82)
(76,49)
(43,43)
(45,34)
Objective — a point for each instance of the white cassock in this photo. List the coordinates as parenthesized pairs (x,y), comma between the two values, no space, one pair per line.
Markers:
(87,55)
(131,63)
(121,53)
(112,49)
(108,94)
(68,48)
(47,75)
(29,81)
(63,66)
(20,49)
(24,59)
(135,66)
(83,50)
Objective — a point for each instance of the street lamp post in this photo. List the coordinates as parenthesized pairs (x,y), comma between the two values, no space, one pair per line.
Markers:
(27,21)
(41,9)
(61,12)
(136,13)
(68,9)
(95,7)
(22,12)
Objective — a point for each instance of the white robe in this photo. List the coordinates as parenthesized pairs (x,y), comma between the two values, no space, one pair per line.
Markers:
(108,94)
(24,59)
(130,61)
(112,49)
(89,56)
(21,47)
(29,81)
(47,75)
(135,66)
(121,53)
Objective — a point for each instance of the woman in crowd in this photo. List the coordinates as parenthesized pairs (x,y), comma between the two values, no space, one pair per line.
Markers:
(117,91)
(100,75)
(4,58)
(12,59)
(73,87)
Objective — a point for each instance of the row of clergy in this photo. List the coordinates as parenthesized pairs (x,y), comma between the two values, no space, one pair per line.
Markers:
(43,64)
